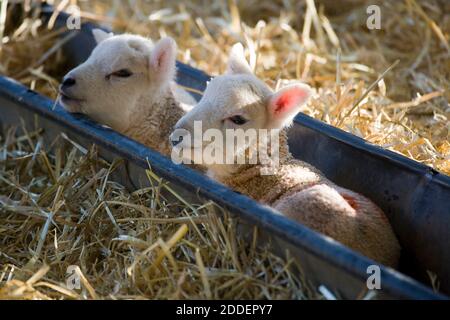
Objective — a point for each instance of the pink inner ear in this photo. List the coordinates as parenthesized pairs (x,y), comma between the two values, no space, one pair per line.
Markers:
(163,54)
(158,59)
(289,99)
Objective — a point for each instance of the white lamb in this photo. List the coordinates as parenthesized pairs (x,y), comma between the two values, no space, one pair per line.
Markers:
(128,84)
(239,100)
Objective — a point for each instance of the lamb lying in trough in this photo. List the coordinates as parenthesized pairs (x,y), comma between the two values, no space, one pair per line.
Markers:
(128,84)
(239,100)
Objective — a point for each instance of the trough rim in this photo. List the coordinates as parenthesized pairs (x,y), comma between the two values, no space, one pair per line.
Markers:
(330,251)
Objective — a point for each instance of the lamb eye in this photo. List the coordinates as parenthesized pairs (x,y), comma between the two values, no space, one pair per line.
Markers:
(123,73)
(239,120)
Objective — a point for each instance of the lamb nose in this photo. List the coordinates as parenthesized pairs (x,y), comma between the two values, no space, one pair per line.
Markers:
(68,82)
(176,142)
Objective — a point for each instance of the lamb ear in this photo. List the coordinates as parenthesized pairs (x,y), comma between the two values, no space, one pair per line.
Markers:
(101,35)
(285,104)
(237,64)
(162,60)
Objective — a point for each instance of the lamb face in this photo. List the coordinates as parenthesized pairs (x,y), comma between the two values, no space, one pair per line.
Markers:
(120,71)
(239,100)
(229,102)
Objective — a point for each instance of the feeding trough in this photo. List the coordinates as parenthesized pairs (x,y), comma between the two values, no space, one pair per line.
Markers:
(414,196)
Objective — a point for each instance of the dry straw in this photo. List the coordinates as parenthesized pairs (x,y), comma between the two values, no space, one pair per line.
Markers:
(407,110)
(59,208)
(389,86)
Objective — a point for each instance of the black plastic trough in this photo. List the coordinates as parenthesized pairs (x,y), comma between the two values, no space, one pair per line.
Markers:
(415,197)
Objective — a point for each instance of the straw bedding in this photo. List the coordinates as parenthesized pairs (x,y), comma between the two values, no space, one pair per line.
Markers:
(59,207)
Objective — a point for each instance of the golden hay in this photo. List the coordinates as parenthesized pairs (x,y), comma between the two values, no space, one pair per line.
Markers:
(137,245)
(59,208)
(407,111)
